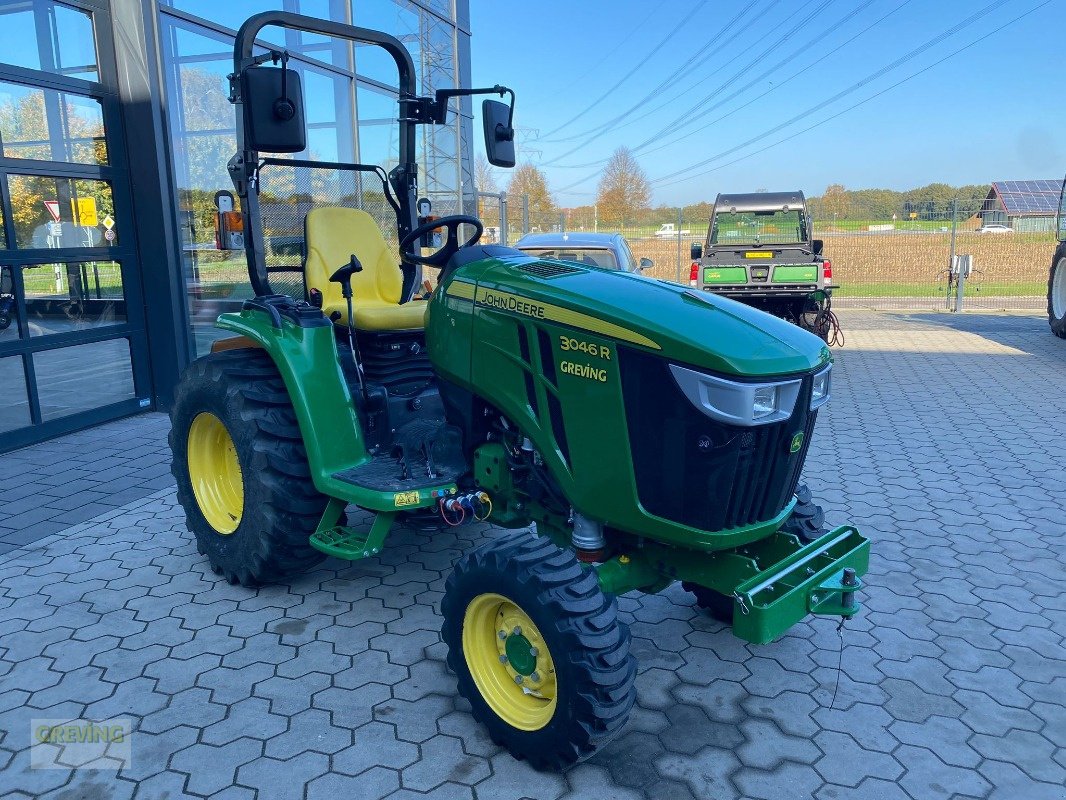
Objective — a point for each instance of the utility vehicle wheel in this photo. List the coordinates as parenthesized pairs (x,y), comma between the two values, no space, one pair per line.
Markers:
(807,520)
(719,606)
(1056,293)
(5,321)
(241,468)
(538,650)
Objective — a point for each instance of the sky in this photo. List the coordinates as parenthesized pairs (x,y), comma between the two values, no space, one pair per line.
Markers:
(743,95)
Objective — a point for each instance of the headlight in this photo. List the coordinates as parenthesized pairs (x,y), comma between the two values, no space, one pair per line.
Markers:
(764,402)
(735,402)
(820,387)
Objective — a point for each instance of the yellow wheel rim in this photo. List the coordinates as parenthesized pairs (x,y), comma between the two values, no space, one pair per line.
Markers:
(215,473)
(509,662)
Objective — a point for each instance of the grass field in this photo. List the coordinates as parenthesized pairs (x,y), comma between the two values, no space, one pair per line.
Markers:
(903,265)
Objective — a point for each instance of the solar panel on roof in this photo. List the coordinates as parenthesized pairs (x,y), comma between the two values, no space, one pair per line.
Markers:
(1029,197)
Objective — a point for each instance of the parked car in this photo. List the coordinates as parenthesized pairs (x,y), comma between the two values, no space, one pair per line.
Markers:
(604,250)
(669,231)
(995,227)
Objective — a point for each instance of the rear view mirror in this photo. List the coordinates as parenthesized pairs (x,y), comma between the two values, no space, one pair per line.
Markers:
(273,110)
(817,245)
(499,135)
(696,251)
(646,263)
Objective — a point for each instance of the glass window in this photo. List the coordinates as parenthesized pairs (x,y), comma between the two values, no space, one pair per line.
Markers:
(9,326)
(83,377)
(68,46)
(73,297)
(51,126)
(401,19)
(15,410)
(379,129)
(61,212)
(593,257)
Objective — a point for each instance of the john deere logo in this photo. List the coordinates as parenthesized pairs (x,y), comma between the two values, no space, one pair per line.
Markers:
(797,443)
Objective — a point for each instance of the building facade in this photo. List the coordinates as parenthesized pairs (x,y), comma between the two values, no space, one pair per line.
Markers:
(115,130)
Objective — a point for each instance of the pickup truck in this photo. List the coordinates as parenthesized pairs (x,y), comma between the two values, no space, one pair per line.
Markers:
(669,231)
(759,251)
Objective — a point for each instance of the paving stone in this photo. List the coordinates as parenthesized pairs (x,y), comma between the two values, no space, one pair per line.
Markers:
(951,681)
(376,782)
(212,769)
(285,780)
(442,759)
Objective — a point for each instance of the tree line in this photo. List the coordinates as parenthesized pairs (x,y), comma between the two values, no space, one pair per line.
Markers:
(623,199)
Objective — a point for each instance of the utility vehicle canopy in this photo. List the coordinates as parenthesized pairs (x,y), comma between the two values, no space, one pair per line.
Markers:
(760,201)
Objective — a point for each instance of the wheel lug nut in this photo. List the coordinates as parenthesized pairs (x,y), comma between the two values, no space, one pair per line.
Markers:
(535,677)
(503,634)
(534,652)
(517,678)
(503,659)
(517,631)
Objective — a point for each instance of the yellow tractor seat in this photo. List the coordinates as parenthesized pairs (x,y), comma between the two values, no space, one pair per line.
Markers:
(332,235)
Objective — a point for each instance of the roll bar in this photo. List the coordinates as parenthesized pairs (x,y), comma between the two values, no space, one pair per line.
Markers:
(244,166)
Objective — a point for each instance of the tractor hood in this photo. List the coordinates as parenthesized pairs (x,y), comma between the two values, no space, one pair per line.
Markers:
(682,324)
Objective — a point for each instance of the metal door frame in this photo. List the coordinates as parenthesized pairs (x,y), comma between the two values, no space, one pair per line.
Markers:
(117,174)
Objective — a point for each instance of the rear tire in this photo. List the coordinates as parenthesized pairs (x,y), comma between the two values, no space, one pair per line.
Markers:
(717,605)
(1056,293)
(577,690)
(254,516)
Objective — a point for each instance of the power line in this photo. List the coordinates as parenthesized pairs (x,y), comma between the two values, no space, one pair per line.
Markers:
(803,22)
(633,71)
(617,47)
(654,93)
(705,125)
(852,107)
(818,38)
(689,118)
(844,92)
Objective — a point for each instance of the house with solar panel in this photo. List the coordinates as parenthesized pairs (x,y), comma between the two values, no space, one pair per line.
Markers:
(1025,206)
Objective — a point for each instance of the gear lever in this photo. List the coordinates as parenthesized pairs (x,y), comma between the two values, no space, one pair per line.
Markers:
(343,276)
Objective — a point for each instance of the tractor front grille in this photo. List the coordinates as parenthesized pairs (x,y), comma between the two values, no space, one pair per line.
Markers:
(697,471)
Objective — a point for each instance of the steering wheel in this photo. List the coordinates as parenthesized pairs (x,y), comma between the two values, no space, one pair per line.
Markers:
(451,245)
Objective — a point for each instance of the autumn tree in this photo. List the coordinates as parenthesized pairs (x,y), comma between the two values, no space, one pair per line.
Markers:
(485,176)
(530,181)
(624,190)
(835,202)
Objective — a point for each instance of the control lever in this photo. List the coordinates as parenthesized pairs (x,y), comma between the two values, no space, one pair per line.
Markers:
(343,276)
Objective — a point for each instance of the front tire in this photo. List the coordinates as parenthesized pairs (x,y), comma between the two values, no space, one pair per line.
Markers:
(1056,293)
(241,468)
(538,650)
(807,520)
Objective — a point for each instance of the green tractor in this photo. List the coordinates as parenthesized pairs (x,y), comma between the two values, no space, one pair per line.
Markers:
(630,433)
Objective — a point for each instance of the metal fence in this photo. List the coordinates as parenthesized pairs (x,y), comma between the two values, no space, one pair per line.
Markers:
(931,256)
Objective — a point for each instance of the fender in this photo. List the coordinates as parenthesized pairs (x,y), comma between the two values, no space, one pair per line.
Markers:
(308,362)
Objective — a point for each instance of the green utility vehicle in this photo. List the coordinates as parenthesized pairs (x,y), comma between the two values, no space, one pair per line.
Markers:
(759,250)
(649,433)
(1056,284)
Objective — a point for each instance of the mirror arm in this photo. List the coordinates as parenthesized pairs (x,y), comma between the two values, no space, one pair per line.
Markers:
(438,107)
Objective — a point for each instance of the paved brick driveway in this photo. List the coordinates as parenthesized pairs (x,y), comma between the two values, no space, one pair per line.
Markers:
(945,442)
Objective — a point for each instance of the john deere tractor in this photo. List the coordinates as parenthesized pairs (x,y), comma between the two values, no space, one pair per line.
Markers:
(629,433)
